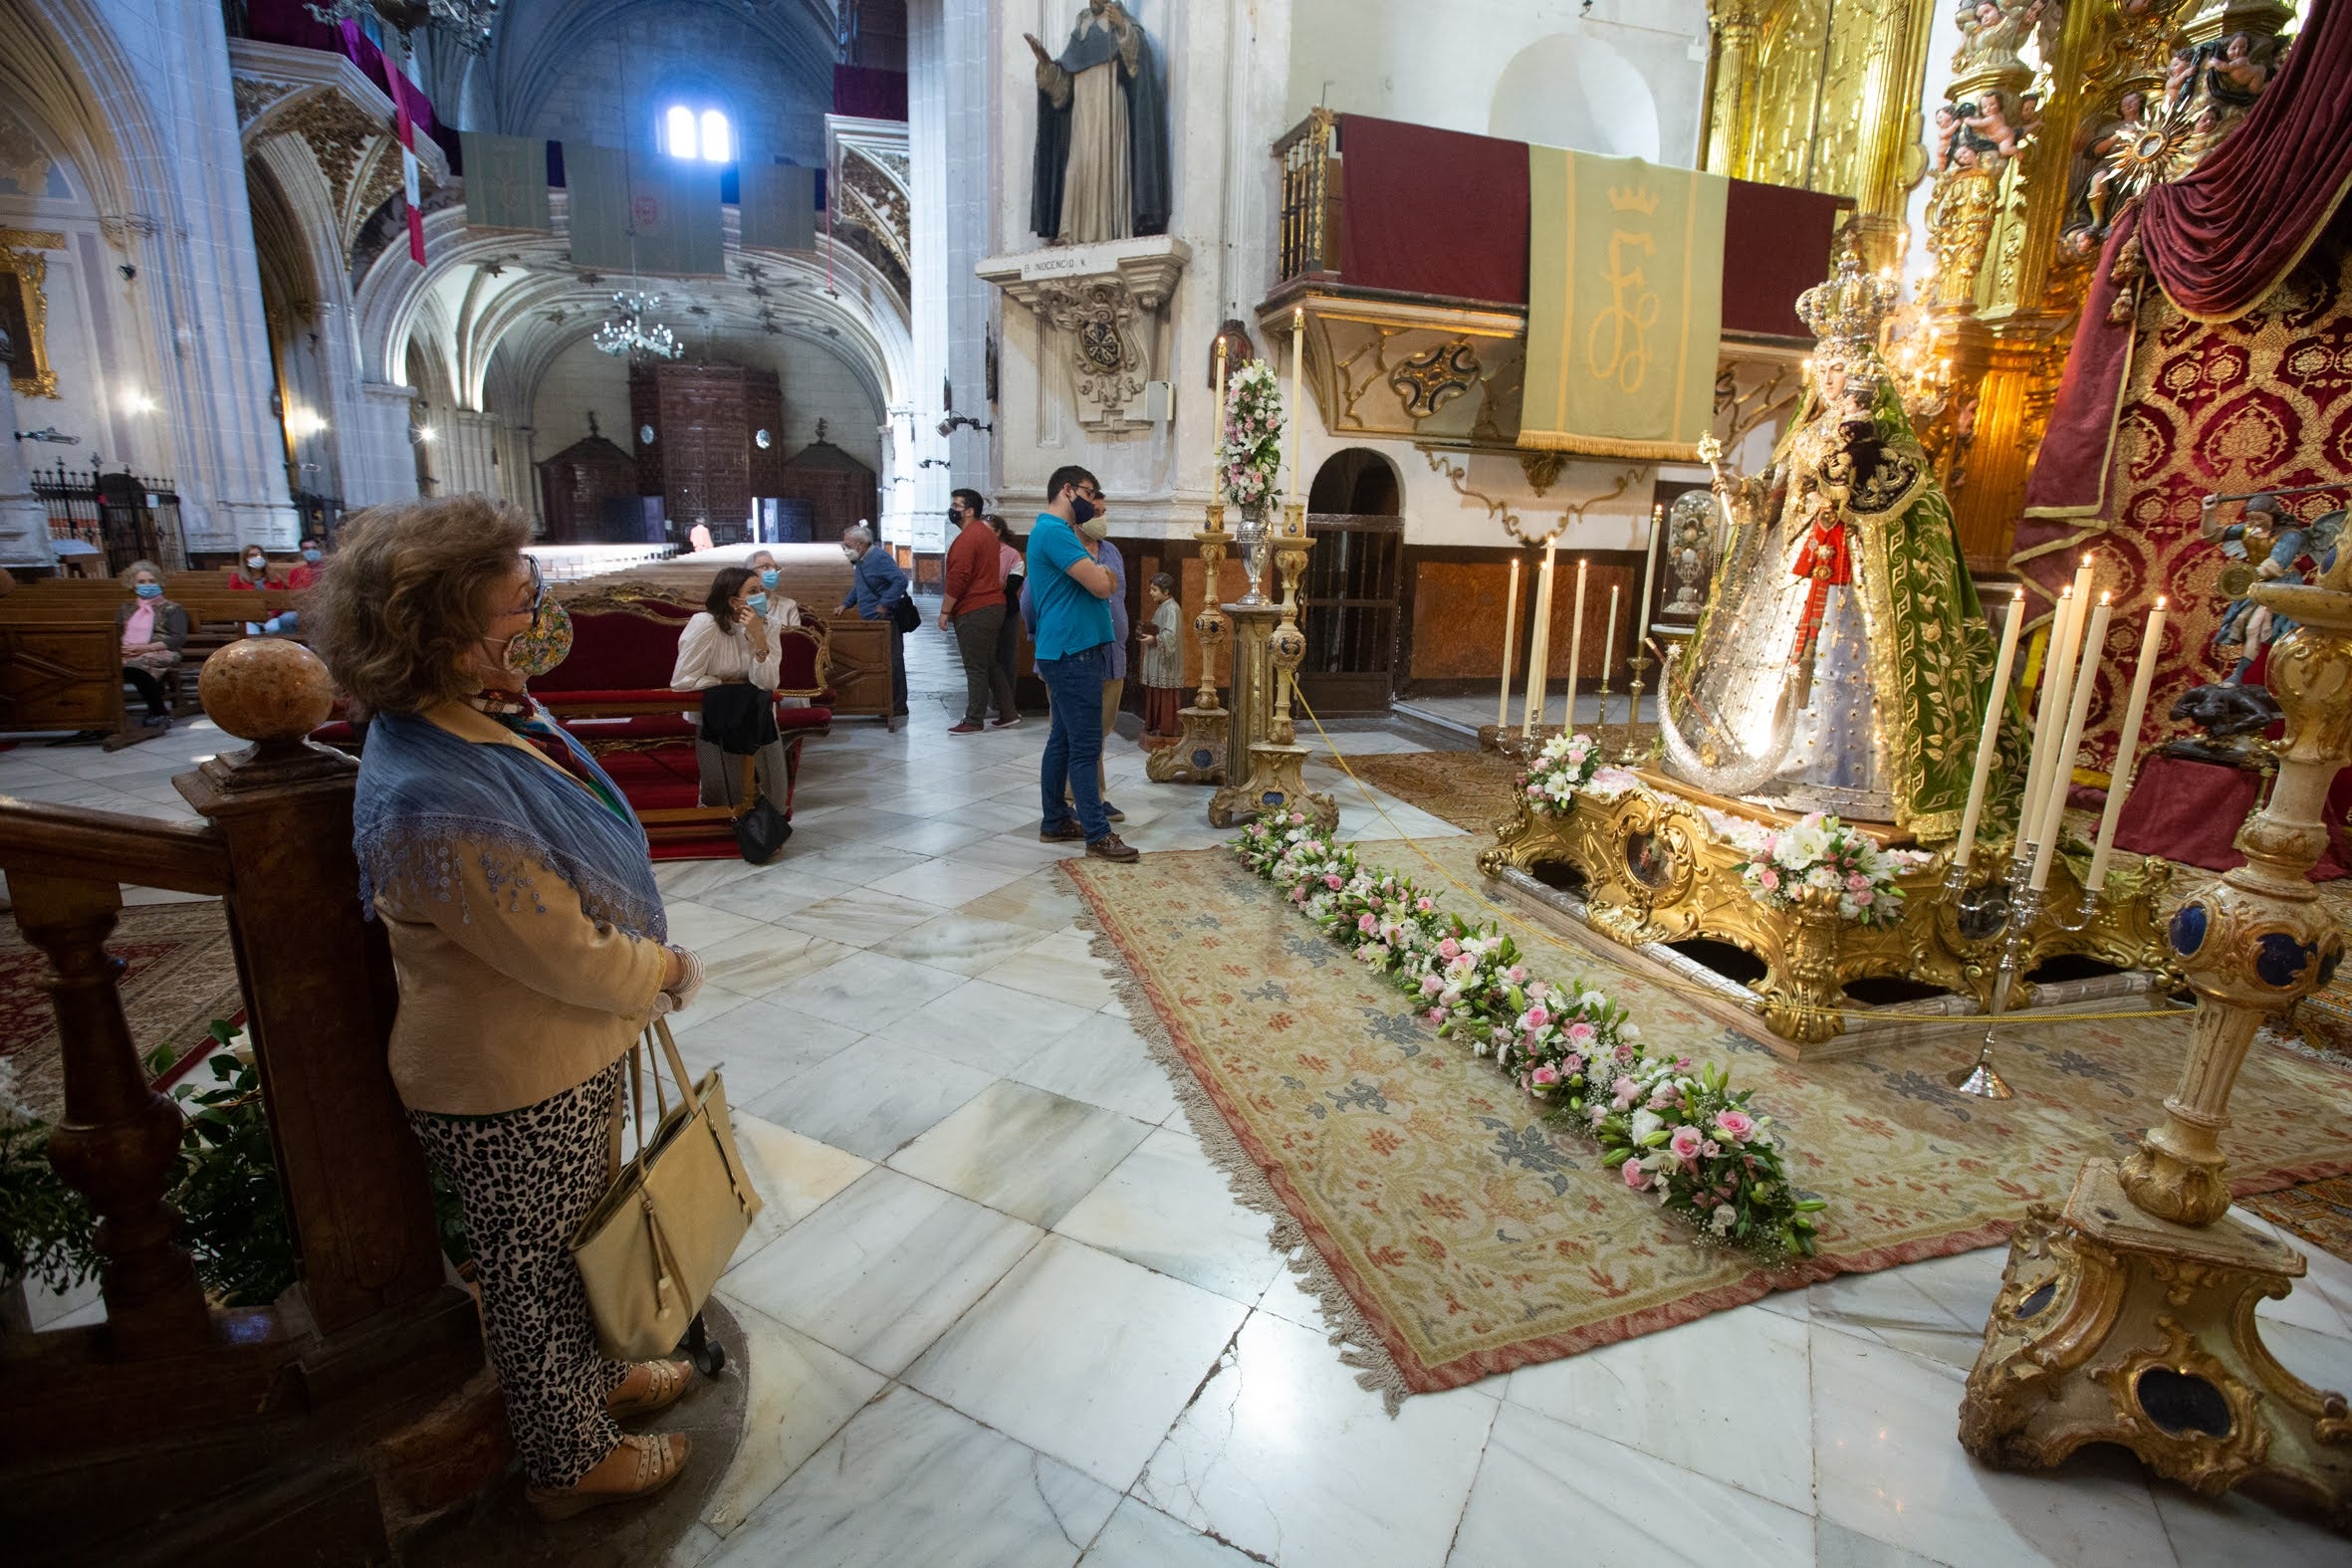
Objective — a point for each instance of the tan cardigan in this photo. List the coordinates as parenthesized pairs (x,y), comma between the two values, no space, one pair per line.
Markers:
(502,1006)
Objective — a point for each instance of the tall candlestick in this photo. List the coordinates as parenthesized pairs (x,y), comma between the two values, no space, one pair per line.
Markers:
(1539,646)
(1298,403)
(1608,646)
(1989,738)
(2128,752)
(1649,578)
(1509,647)
(1217,444)
(2057,676)
(1575,648)
(2061,773)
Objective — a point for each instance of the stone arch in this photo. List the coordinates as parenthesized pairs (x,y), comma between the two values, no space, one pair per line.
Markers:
(1573,89)
(1359,481)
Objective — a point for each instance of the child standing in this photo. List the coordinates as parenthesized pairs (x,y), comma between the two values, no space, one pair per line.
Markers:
(1163,658)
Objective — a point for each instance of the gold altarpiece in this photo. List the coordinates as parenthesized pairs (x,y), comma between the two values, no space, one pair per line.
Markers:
(1827,95)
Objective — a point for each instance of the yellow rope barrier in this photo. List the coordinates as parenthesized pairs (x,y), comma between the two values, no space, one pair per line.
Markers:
(1509,917)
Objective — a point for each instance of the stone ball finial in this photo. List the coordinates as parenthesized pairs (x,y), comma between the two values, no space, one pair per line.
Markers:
(266,689)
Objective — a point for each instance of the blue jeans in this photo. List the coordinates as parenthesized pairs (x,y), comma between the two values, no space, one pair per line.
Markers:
(1073,749)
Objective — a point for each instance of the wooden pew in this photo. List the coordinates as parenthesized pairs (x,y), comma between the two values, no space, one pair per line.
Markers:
(61,665)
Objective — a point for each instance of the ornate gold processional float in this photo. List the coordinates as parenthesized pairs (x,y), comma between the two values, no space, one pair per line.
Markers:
(1841,705)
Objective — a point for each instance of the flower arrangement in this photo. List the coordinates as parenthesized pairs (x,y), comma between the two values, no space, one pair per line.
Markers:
(1251,451)
(1569,766)
(1679,1134)
(1822,854)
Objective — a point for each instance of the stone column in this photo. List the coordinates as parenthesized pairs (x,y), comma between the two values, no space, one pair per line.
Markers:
(24,525)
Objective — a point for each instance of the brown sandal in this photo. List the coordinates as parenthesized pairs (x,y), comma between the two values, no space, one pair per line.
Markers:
(666,1382)
(649,1463)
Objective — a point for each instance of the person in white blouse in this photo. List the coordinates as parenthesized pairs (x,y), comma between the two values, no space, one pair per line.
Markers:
(729,643)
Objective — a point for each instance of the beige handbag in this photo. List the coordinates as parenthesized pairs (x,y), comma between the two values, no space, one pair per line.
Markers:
(654,1245)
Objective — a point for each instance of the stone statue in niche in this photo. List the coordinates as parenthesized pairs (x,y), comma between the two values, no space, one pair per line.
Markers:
(1101,169)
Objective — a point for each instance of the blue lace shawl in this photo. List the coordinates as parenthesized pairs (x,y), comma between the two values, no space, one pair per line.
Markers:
(426,798)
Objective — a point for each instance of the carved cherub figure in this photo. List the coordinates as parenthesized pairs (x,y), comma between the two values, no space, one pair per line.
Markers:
(1940,138)
(1991,122)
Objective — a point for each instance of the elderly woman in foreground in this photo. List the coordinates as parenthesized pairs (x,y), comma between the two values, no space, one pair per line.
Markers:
(528,938)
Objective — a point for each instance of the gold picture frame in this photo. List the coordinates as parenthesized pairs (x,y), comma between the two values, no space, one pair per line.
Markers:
(23,309)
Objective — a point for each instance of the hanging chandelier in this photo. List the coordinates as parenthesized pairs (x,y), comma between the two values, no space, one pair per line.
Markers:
(629,330)
(466,21)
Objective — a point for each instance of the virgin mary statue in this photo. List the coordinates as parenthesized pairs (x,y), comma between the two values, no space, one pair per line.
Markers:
(1841,662)
(1102,133)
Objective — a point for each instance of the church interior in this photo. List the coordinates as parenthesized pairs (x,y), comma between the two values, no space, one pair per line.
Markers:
(1353,769)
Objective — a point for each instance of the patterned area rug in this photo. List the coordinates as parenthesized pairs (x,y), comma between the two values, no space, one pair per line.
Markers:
(1451,1234)
(179,975)
(2318,1212)
(1469,789)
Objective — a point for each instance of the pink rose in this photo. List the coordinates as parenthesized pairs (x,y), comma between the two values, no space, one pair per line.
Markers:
(1366,923)
(1535,1018)
(1449,949)
(1573,1064)
(1437,1014)
(1635,1178)
(1769,879)
(1857,882)
(1518,974)
(1431,984)
(1581,1033)
(1626,1091)
(1738,1126)
(1864,899)
(1422,906)
(1545,1077)
(1685,1143)
(1333,881)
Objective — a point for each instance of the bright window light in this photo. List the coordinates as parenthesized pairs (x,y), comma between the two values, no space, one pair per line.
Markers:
(704,135)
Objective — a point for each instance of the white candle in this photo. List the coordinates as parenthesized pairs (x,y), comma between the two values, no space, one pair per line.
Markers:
(2127,750)
(1649,578)
(2054,811)
(1608,643)
(1217,442)
(2057,668)
(1509,647)
(1989,738)
(1297,398)
(1575,645)
(1539,646)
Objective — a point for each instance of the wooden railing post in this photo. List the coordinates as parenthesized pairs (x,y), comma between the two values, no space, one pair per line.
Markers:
(118,1140)
(319,987)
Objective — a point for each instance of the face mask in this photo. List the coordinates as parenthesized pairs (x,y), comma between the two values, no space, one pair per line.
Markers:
(544,644)
(257,562)
(1096,528)
(851,552)
(1081,510)
(149,590)
(768,577)
(311,555)
(758,602)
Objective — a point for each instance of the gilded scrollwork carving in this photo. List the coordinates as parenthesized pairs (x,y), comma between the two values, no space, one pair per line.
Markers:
(1655,869)
(24,268)
(1434,378)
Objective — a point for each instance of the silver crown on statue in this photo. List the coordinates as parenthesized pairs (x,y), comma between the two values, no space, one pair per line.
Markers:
(1845,313)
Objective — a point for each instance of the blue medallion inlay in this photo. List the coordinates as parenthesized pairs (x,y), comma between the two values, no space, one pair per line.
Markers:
(2188,929)
(1203,757)
(2280,959)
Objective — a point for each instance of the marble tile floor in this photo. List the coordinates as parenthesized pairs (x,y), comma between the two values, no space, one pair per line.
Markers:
(1005,1312)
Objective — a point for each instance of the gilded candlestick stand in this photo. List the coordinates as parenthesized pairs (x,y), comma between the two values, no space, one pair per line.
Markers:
(1275,781)
(2128,1316)
(1198,757)
(1630,754)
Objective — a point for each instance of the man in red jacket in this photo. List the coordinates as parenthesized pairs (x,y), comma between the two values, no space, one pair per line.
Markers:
(973,605)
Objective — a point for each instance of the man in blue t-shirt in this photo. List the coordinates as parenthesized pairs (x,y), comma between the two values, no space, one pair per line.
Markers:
(1070,589)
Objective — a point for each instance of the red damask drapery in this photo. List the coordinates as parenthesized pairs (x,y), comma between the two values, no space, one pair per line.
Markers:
(2234,372)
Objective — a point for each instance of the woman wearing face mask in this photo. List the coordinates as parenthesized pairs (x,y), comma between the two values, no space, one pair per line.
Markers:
(153,632)
(728,653)
(530,944)
(783,610)
(253,574)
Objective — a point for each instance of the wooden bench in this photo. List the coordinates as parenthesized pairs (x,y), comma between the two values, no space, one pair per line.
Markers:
(61,665)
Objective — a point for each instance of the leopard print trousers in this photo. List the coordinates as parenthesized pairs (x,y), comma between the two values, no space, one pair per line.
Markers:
(527,1179)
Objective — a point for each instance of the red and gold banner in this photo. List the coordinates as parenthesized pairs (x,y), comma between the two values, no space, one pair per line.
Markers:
(2262,403)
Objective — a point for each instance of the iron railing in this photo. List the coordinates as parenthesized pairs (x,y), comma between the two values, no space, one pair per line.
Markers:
(1311,192)
(107,521)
